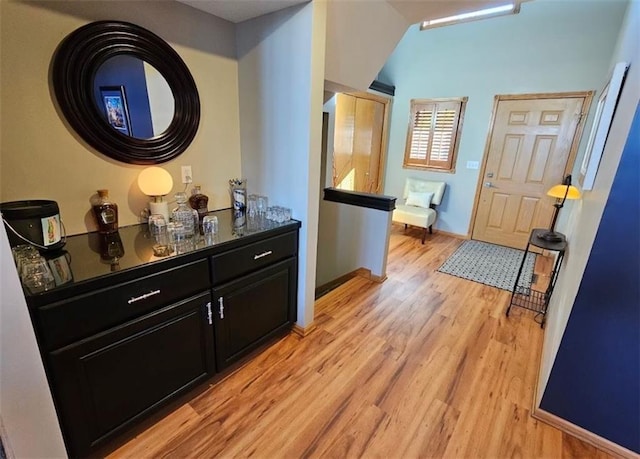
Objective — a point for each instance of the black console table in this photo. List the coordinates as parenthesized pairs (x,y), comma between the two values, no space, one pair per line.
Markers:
(124,332)
(526,297)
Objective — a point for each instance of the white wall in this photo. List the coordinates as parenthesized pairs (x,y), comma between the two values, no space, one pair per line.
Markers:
(351,237)
(42,158)
(281,70)
(585,217)
(30,426)
(360,37)
(551,46)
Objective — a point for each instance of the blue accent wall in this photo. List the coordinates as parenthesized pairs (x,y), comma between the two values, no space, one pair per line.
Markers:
(127,71)
(595,380)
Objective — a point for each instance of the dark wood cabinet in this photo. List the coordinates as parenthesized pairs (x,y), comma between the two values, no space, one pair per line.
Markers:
(120,344)
(250,310)
(108,381)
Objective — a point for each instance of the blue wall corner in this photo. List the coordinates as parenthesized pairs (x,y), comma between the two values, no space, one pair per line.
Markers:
(595,380)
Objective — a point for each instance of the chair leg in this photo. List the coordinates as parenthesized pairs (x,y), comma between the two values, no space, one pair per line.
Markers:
(405,227)
(424,234)
(431,229)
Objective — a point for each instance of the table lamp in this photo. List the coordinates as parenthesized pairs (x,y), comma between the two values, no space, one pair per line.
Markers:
(156,182)
(561,193)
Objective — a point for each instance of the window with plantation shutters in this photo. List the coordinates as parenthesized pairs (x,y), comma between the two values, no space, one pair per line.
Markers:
(434,132)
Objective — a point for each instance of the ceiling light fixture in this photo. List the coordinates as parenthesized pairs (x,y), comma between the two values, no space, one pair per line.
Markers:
(511,8)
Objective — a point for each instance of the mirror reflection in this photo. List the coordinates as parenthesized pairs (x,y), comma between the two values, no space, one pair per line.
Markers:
(133,97)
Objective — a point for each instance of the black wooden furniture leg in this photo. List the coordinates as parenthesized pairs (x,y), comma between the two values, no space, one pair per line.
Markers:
(431,229)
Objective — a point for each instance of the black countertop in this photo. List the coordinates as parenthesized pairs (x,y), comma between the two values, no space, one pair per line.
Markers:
(91,261)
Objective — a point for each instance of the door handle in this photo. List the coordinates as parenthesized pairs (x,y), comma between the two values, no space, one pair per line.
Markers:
(489,185)
(209,313)
(144,296)
(221,309)
(262,255)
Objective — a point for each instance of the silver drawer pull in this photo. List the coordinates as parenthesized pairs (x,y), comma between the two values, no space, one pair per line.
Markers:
(263,254)
(221,310)
(143,297)
(209,313)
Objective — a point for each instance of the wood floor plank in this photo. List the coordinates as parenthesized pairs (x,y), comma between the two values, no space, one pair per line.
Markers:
(422,365)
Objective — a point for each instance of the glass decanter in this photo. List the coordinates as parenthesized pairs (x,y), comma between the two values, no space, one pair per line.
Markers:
(185,215)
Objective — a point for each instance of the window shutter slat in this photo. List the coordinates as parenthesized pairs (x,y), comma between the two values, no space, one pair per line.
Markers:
(433,133)
(422,122)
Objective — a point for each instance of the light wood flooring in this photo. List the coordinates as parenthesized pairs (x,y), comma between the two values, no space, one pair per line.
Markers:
(422,365)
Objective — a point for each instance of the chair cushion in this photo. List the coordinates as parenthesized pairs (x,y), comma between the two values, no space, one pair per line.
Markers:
(437,188)
(414,216)
(419,199)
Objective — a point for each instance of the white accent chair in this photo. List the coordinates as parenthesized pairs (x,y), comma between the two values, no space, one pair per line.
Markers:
(420,199)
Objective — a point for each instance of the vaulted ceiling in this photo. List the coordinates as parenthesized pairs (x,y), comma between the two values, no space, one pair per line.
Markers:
(412,10)
(361,34)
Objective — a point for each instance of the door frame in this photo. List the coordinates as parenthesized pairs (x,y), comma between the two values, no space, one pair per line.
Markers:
(573,151)
(384,139)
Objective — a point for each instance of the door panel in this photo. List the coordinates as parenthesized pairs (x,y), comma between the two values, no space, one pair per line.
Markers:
(253,308)
(104,383)
(528,150)
(359,142)
(343,137)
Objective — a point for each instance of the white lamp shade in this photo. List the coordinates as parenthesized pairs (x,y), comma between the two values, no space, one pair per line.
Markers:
(155,181)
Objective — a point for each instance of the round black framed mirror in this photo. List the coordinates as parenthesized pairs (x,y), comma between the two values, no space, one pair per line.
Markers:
(100,113)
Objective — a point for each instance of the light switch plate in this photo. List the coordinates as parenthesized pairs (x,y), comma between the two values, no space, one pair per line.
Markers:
(473,164)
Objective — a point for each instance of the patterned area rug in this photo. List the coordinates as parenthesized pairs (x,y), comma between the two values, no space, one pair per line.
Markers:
(490,264)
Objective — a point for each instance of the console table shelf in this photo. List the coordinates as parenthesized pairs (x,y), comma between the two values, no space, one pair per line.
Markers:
(526,297)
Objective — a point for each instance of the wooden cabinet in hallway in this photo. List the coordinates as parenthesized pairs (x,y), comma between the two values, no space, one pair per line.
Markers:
(360,142)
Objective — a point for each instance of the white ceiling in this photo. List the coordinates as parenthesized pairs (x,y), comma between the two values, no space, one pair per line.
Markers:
(240,10)
(413,10)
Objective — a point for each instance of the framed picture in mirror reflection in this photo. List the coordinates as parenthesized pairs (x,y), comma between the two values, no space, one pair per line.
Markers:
(114,101)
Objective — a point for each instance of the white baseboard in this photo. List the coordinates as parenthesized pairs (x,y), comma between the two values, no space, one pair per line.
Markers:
(583,434)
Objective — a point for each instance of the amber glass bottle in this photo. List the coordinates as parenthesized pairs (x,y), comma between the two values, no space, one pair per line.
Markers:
(199,201)
(106,213)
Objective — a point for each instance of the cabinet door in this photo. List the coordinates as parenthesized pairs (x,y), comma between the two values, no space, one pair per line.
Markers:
(105,383)
(252,309)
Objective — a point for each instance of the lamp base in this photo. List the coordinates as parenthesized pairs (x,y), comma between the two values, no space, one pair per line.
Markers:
(551,236)
(161,208)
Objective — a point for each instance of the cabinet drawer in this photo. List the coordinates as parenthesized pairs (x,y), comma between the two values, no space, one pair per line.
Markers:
(70,320)
(234,263)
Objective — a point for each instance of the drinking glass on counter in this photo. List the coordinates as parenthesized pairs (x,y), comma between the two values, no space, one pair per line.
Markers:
(158,230)
(179,239)
(36,275)
(23,252)
(262,203)
(210,229)
(252,205)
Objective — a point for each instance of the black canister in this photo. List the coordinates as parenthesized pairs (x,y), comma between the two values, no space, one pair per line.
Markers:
(36,222)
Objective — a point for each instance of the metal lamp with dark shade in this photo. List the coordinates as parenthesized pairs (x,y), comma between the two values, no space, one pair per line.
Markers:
(561,193)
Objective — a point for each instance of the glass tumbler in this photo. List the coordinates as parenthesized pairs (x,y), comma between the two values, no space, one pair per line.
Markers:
(210,229)
(36,275)
(178,239)
(23,252)
(252,205)
(158,230)
(262,204)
